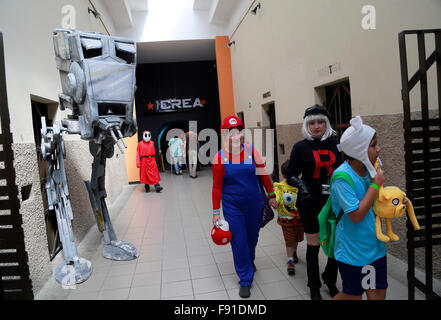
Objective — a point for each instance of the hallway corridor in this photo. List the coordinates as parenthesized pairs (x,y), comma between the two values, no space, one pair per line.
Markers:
(178,259)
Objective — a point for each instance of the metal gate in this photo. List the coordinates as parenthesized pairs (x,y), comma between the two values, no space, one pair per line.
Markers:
(14,271)
(423,159)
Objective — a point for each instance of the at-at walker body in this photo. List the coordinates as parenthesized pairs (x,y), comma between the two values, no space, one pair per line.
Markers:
(98,81)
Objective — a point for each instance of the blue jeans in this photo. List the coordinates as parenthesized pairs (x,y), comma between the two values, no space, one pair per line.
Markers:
(177,163)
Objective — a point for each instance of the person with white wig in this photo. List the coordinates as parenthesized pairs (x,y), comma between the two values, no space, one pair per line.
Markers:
(315,158)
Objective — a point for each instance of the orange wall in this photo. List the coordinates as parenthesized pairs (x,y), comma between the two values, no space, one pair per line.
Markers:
(130,152)
(224,77)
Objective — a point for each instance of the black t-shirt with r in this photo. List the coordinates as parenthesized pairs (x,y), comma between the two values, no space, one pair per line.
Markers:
(315,161)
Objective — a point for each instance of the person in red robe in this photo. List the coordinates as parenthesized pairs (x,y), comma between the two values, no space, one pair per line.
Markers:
(146,162)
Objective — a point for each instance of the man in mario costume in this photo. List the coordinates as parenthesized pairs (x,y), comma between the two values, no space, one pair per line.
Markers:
(240,181)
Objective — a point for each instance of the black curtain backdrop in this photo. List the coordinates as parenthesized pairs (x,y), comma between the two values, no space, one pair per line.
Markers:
(183,80)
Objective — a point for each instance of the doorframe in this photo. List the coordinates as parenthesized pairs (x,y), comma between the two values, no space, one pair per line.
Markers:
(267,122)
(50,111)
(322,98)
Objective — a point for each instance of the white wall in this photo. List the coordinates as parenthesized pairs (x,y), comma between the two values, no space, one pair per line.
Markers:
(105,16)
(283,47)
(238,15)
(29,55)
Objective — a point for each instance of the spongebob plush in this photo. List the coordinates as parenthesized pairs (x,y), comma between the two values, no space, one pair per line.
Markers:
(286,197)
(389,204)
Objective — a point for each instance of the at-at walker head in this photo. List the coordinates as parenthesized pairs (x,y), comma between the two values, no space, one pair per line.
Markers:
(98,81)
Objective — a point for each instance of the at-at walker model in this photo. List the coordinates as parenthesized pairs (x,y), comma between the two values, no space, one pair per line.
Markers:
(98,81)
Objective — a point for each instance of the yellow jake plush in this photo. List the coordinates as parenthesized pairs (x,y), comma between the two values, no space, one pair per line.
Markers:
(389,204)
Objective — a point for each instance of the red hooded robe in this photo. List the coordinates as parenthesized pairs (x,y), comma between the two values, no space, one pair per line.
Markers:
(146,162)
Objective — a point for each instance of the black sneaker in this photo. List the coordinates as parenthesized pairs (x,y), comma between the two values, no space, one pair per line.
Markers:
(333,291)
(147,188)
(331,287)
(290,268)
(315,294)
(245,291)
(158,188)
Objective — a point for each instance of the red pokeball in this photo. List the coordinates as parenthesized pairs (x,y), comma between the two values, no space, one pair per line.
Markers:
(221,233)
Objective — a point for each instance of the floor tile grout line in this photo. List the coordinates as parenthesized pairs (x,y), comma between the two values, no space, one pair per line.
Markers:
(162,257)
(147,210)
(212,254)
(188,262)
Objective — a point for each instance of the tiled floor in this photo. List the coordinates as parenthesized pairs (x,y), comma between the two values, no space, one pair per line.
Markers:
(177,258)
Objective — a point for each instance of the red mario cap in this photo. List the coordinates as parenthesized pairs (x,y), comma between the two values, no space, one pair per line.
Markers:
(231,122)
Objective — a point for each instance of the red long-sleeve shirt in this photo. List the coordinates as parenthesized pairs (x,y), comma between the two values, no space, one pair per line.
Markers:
(219,172)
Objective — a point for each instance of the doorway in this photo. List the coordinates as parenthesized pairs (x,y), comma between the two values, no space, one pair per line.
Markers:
(163,143)
(269,122)
(242,118)
(338,102)
(39,110)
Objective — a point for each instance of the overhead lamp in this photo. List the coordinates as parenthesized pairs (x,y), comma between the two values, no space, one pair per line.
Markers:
(254,11)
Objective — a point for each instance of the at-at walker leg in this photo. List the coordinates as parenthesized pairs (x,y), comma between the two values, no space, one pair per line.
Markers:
(73,269)
(113,249)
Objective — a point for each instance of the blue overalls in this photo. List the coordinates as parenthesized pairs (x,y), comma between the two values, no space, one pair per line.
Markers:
(242,204)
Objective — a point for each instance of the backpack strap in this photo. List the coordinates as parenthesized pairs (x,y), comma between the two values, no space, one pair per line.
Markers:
(345,176)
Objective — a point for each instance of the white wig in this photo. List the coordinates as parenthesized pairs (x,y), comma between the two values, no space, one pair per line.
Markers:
(307,134)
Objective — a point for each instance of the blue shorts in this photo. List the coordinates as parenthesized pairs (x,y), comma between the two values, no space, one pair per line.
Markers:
(356,280)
